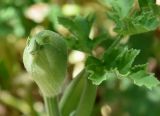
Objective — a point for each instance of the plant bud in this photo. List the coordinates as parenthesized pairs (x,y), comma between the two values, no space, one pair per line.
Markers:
(45,58)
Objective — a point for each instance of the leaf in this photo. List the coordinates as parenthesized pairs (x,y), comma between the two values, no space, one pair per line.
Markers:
(137,21)
(120,58)
(96,70)
(125,60)
(80,28)
(117,63)
(122,7)
(54,13)
(142,78)
(69,24)
(97,75)
(109,57)
(117,60)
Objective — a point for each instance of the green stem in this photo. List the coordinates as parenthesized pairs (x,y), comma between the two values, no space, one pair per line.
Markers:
(114,44)
(72,94)
(51,106)
(87,100)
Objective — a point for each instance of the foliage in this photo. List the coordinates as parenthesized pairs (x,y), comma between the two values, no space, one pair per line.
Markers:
(131,21)
(116,61)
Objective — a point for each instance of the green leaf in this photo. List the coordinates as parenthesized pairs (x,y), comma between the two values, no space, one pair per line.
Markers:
(79,26)
(142,78)
(97,74)
(120,58)
(122,7)
(138,21)
(117,62)
(109,57)
(83,27)
(124,61)
(96,69)
(54,13)
(80,29)
(69,24)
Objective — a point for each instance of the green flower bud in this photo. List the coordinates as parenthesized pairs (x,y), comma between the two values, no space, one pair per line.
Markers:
(45,58)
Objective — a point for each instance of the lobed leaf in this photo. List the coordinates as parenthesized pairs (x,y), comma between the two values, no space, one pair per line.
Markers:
(138,21)
(80,29)
(117,62)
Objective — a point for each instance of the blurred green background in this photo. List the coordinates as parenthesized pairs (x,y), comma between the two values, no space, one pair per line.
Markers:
(19,96)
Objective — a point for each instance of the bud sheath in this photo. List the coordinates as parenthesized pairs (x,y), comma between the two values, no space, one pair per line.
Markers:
(45,58)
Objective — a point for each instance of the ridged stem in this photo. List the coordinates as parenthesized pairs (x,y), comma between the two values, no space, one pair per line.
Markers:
(51,105)
(72,94)
(87,100)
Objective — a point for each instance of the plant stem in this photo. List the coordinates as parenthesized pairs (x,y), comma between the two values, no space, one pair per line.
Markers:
(72,94)
(87,100)
(114,44)
(51,106)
